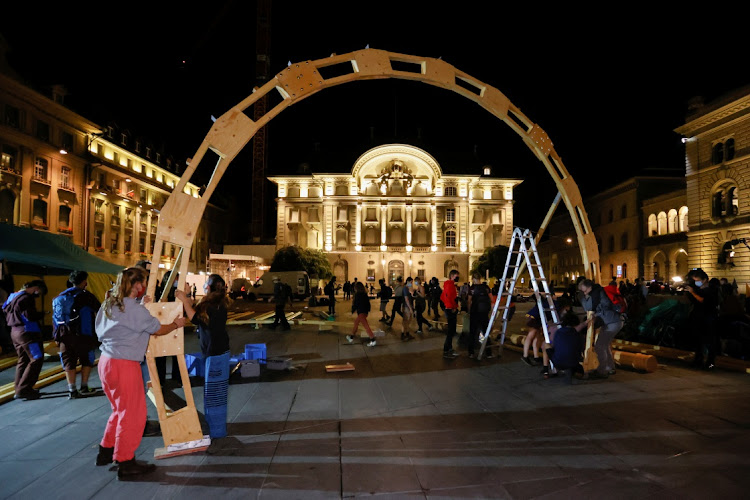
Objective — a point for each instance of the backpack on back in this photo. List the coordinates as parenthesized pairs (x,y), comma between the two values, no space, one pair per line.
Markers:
(617,299)
(63,313)
(480,298)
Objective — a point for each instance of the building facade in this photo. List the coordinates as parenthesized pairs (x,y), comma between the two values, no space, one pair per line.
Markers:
(395,214)
(99,186)
(717,168)
(622,218)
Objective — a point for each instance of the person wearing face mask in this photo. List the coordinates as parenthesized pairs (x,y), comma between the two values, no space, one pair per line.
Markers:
(449,298)
(124,327)
(607,319)
(702,318)
(23,319)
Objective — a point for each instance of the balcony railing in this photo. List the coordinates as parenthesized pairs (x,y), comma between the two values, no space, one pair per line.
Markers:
(114,221)
(41,180)
(67,186)
(143,228)
(99,217)
(9,169)
(128,224)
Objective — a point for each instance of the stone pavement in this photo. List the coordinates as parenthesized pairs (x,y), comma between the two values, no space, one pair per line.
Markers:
(408,424)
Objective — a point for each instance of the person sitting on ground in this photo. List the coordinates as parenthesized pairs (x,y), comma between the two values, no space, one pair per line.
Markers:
(361,307)
(565,349)
(535,330)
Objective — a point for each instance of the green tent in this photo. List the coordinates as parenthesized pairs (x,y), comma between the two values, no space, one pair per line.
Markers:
(28,253)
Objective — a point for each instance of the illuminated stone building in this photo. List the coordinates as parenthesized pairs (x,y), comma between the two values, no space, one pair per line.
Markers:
(395,214)
(717,168)
(630,245)
(99,186)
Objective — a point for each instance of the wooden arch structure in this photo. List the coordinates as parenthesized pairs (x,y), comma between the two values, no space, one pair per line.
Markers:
(182,213)
(232,131)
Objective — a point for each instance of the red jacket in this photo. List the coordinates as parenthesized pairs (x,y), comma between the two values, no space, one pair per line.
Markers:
(448,297)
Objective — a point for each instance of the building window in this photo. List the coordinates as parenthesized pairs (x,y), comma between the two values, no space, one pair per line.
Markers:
(624,212)
(138,146)
(117,184)
(42,131)
(421,215)
(450,215)
(451,191)
(661,223)
(611,244)
(7,206)
(396,215)
(39,213)
(65,181)
(683,219)
(624,241)
(611,215)
(725,200)
(12,116)
(652,227)
(63,218)
(148,153)
(66,141)
(672,221)
(40,169)
(158,157)
(8,158)
(123,139)
(450,238)
(99,239)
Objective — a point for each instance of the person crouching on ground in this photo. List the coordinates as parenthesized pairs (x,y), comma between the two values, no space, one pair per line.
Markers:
(361,307)
(566,347)
(596,299)
(124,327)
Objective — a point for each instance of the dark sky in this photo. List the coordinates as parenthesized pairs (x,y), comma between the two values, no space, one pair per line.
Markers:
(608,87)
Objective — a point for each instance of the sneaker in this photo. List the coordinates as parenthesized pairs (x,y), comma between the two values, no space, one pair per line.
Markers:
(105,456)
(408,337)
(133,468)
(372,343)
(74,394)
(349,339)
(418,332)
(537,361)
(489,355)
(430,328)
(472,355)
(527,360)
(450,354)
(28,395)
(86,391)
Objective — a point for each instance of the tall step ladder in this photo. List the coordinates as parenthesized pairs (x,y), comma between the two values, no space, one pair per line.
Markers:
(521,254)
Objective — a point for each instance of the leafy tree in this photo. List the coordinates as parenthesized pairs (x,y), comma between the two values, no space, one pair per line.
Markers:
(296,258)
(492,258)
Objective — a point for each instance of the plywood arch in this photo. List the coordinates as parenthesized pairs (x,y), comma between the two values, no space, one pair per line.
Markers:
(232,131)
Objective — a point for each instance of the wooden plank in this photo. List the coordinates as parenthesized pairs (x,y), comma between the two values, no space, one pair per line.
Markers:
(347,367)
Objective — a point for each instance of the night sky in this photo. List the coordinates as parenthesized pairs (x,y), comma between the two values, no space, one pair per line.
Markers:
(608,87)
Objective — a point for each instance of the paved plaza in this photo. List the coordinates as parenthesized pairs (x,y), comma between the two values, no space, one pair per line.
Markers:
(407,424)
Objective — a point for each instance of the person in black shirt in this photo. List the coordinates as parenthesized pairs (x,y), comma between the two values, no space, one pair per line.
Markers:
(209,316)
(702,318)
(361,307)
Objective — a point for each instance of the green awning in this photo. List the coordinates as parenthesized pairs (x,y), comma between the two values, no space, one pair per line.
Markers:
(48,253)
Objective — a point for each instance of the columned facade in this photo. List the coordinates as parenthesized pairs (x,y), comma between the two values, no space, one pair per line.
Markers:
(395,214)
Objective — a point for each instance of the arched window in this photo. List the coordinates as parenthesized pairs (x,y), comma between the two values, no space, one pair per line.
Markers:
(729,149)
(624,270)
(624,241)
(450,238)
(672,221)
(661,223)
(7,206)
(611,245)
(652,227)
(725,200)
(683,217)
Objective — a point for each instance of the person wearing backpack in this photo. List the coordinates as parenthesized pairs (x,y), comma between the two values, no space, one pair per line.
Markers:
(330,290)
(435,293)
(607,318)
(73,315)
(281,295)
(479,304)
(23,319)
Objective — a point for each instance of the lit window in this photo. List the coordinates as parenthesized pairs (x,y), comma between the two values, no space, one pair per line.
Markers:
(65,181)
(450,238)
(450,215)
(40,169)
(451,191)
(725,200)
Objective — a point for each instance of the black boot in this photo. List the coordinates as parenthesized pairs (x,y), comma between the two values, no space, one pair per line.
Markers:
(105,456)
(133,468)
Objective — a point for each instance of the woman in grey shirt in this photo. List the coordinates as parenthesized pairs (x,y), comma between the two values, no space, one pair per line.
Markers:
(124,327)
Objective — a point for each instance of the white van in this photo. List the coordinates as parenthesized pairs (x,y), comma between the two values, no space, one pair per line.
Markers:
(298,280)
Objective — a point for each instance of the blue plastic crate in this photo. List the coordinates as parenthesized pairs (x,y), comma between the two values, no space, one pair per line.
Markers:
(196,365)
(255,351)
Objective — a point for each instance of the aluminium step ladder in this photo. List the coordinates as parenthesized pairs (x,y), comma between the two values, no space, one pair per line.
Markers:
(522,253)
